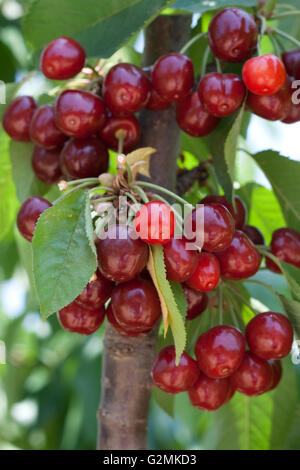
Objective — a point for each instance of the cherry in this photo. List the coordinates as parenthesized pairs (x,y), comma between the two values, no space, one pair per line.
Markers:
(126,89)
(221,94)
(209,394)
(96,293)
(171,378)
(239,213)
(230,393)
(121,330)
(130,127)
(78,319)
(17,118)
(253,377)
(241,259)
(173,76)
(254,234)
(272,266)
(270,335)
(84,158)
(197,302)
(43,129)
(155,102)
(79,113)
(46,164)
(232,35)
(29,214)
(121,255)
(220,351)
(264,75)
(62,58)
(155,223)
(180,262)
(291,60)
(192,117)
(136,305)
(207,273)
(285,245)
(272,107)
(293,114)
(277,373)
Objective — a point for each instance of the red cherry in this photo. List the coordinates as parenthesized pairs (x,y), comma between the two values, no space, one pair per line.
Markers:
(272,107)
(192,117)
(277,373)
(232,35)
(254,234)
(241,259)
(285,245)
(209,394)
(121,330)
(253,377)
(180,262)
(291,60)
(96,293)
(155,102)
(272,266)
(293,114)
(270,335)
(264,75)
(197,302)
(173,76)
(207,273)
(230,393)
(29,214)
(43,129)
(121,257)
(136,305)
(128,124)
(78,319)
(155,223)
(46,164)
(239,213)
(220,351)
(62,58)
(17,118)
(221,94)
(84,158)
(79,113)
(126,89)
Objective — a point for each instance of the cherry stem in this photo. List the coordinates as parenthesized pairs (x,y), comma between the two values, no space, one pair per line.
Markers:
(141,193)
(285,14)
(275,44)
(263,251)
(120,135)
(231,309)
(241,297)
(205,60)
(195,335)
(80,186)
(269,7)
(177,215)
(191,42)
(163,190)
(83,180)
(220,300)
(285,35)
(218,64)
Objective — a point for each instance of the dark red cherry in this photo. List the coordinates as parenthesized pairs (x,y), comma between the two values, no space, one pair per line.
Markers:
(239,213)
(173,76)
(17,118)
(232,35)
(121,254)
(155,223)
(197,302)
(78,319)
(129,125)
(253,377)
(291,60)
(121,330)
(43,129)
(230,393)
(136,305)
(272,266)
(293,114)
(271,107)
(79,113)
(240,259)
(46,164)
(62,58)
(207,273)
(96,293)
(264,75)
(209,394)
(270,335)
(84,158)
(193,118)
(285,245)
(180,261)
(220,351)
(277,373)
(221,94)
(126,89)
(29,214)
(157,102)
(254,234)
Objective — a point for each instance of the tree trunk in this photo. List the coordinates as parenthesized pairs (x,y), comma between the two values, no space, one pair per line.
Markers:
(126,381)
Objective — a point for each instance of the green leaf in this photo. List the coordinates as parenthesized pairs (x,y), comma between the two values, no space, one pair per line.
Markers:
(292,309)
(180,297)
(63,259)
(8,200)
(165,401)
(199,6)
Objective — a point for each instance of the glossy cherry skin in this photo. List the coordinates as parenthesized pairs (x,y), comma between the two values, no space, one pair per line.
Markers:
(197,302)
(239,213)
(293,114)
(207,273)
(17,118)
(221,94)
(171,378)
(241,259)
(120,329)
(84,158)
(264,75)
(277,373)
(29,214)
(128,124)
(121,257)
(179,260)
(96,293)
(126,89)
(285,245)
(136,305)
(157,102)
(193,118)
(79,113)
(232,35)
(173,76)
(253,377)
(291,60)
(155,223)
(254,234)
(62,58)
(270,335)
(43,129)
(271,107)
(78,319)
(209,394)
(46,164)
(220,351)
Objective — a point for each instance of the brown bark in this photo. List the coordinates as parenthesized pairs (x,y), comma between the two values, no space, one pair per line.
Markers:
(126,381)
